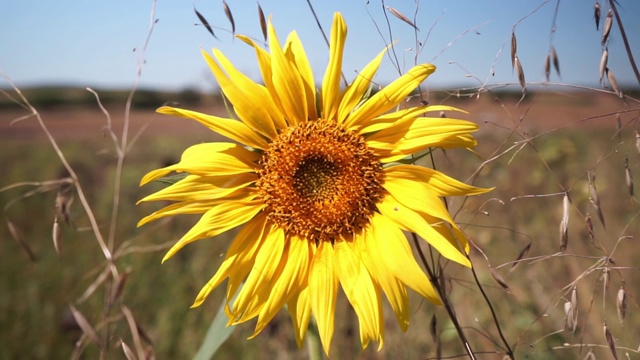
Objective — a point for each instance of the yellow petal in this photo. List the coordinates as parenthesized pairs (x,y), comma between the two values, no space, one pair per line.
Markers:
(360,291)
(389,96)
(295,52)
(412,136)
(202,188)
(181,208)
(233,129)
(251,102)
(252,295)
(417,197)
(287,81)
(210,159)
(389,247)
(331,82)
(394,289)
(323,289)
(239,258)
(219,219)
(355,91)
(410,220)
(264,61)
(289,281)
(435,181)
(300,310)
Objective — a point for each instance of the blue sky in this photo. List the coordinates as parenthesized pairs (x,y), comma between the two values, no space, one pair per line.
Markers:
(91,43)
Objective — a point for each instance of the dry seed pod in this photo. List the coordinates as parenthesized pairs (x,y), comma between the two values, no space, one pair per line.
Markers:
(570,313)
(589,224)
(594,198)
(227,12)
(86,327)
(514,49)
(18,236)
(621,303)
(263,22)
(205,23)
(520,74)
(117,290)
(401,16)
(554,58)
(57,236)
(128,353)
(603,64)
(590,356)
(607,27)
(628,177)
(500,280)
(564,224)
(596,15)
(63,203)
(433,327)
(522,254)
(610,341)
(547,67)
(614,83)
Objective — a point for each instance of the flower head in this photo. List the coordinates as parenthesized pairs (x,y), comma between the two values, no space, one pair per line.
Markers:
(314,178)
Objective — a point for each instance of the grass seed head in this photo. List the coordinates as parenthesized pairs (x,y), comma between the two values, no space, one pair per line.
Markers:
(57,236)
(555,60)
(520,74)
(263,22)
(614,83)
(621,303)
(603,64)
(227,12)
(608,23)
(610,341)
(596,15)
(402,17)
(628,177)
(85,326)
(19,237)
(514,49)
(547,67)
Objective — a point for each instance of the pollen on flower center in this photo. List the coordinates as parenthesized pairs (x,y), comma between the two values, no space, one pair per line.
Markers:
(320,181)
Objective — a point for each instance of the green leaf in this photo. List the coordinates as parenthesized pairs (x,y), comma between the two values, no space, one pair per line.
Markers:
(217,334)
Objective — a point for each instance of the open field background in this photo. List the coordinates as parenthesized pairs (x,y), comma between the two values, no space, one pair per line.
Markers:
(543,145)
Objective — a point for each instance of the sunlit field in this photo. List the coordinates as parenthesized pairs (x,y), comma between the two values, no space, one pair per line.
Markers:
(533,153)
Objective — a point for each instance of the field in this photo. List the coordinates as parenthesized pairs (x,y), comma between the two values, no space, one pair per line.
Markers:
(533,152)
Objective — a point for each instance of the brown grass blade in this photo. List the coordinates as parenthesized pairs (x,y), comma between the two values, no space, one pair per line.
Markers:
(18,236)
(205,23)
(402,17)
(594,198)
(628,177)
(621,303)
(57,236)
(128,353)
(608,23)
(86,327)
(614,83)
(555,60)
(564,224)
(547,67)
(521,256)
(263,22)
(603,64)
(514,49)
(610,341)
(520,74)
(227,12)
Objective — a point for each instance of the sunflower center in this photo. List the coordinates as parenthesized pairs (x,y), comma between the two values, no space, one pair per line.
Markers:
(320,181)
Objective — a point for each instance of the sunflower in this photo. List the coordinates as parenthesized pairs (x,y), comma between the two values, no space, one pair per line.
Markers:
(316,178)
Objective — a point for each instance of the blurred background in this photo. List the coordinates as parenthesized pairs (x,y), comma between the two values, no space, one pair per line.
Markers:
(536,145)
